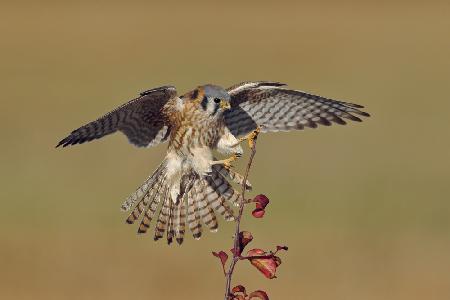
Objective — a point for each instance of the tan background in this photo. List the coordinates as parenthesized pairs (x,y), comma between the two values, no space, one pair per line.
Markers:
(364,208)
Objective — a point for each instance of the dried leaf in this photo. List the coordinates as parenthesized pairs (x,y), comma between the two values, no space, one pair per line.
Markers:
(266,263)
(259,294)
(245,237)
(285,248)
(238,289)
(223,259)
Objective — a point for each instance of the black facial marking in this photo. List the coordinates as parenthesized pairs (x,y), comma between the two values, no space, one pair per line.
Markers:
(195,94)
(204,103)
(216,108)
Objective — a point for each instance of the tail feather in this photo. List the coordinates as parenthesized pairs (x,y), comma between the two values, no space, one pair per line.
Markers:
(180,221)
(232,176)
(193,217)
(144,188)
(163,216)
(206,212)
(224,188)
(198,200)
(143,203)
(137,211)
(215,198)
(155,194)
(170,225)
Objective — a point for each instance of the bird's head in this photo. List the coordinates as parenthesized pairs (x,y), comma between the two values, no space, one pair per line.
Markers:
(212,99)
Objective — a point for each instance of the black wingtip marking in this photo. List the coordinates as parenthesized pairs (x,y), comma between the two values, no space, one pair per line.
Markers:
(62,142)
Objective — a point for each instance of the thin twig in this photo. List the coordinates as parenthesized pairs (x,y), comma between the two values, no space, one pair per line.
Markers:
(236,256)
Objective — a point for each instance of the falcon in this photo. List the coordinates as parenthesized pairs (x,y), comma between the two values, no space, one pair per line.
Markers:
(191,185)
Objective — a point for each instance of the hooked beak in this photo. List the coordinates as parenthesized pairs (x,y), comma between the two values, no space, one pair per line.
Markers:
(224,104)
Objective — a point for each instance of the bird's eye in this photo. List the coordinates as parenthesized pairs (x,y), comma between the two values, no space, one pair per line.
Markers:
(216,100)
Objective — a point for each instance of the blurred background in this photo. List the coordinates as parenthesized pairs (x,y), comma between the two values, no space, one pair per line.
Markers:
(363,208)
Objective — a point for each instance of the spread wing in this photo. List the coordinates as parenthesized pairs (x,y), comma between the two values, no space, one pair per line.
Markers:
(275,108)
(141,120)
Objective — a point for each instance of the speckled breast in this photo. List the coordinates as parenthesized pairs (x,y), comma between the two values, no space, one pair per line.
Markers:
(196,131)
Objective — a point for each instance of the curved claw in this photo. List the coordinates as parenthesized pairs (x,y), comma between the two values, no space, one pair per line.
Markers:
(227,162)
(253,136)
(228,165)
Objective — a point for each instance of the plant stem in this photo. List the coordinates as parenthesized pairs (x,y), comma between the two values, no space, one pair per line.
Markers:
(236,257)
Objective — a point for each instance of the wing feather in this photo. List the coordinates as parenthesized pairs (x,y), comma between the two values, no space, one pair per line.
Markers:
(275,108)
(142,120)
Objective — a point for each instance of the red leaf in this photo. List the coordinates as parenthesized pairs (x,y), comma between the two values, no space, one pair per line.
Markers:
(223,259)
(261,203)
(258,213)
(266,263)
(259,294)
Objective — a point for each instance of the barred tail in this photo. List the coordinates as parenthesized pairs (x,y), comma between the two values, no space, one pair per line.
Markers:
(200,197)
(145,188)
(229,174)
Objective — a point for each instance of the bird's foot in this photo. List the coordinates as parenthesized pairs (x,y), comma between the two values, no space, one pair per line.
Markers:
(251,137)
(227,162)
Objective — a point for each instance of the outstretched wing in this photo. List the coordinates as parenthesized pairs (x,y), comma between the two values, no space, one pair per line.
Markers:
(274,108)
(141,120)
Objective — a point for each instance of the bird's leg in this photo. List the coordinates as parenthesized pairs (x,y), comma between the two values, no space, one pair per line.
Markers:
(251,137)
(227,162)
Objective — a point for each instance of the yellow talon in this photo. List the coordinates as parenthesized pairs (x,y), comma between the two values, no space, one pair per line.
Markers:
(251,137)
(227,165)
(227,162)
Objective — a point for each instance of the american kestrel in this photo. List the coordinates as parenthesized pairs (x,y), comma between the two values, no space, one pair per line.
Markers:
(190,184)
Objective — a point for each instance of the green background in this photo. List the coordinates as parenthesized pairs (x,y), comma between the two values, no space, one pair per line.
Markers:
(364,208)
